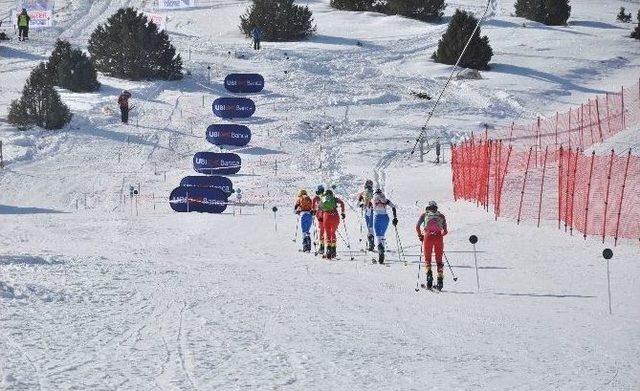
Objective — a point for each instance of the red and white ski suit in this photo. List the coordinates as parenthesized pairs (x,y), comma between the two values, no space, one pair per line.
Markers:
(432,241)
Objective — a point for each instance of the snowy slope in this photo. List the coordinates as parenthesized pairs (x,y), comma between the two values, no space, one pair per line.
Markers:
(95,297)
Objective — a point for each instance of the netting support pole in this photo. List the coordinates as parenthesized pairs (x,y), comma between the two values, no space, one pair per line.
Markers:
(544,170)
(586,208)
(606,198)
(504,174)
(559,186)
(573,190)
(524,185)
(624,184)
(598,114)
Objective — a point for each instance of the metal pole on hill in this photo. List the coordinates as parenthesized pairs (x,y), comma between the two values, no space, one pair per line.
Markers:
(473,239)
(453,71)
(607,254)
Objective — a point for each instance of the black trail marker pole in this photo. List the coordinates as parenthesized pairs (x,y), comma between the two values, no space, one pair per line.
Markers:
(608,254)
(473,239)
(275,217)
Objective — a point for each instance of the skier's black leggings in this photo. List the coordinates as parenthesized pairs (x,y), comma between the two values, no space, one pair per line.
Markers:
(124,112)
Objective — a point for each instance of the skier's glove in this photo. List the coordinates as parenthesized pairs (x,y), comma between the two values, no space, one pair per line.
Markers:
(343,216)
(394,222)
(421,238)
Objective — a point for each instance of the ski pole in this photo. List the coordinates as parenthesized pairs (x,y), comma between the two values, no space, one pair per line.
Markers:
(345,243)
(295,237)
(449,265)
(400,248)
(346,232)
(315,234)
(419,265)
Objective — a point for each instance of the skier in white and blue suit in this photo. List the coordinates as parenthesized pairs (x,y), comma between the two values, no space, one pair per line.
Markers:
(381,220)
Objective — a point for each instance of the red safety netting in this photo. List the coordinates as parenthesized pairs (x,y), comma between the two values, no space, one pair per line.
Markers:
(594,195)
(594,121)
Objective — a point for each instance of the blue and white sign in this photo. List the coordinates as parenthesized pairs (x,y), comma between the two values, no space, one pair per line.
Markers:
(244,83)
(213,163)
(228,134)
(234,107)
(198,199)
(215,181)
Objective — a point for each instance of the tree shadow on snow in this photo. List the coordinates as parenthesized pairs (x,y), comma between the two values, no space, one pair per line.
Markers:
(595,25)
(19,210)
(8,53)
(340,41)
(543,76)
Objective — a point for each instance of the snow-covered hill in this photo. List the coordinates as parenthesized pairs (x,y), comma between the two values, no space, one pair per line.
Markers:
(96,296)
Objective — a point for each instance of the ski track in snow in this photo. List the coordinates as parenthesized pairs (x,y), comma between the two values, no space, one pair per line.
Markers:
(99,298)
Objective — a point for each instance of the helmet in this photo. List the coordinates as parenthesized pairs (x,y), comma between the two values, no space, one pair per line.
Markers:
(302,192)
(368,184)
(432,205)
(320,189)
(329,192)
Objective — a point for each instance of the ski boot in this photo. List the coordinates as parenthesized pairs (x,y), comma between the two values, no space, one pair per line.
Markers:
(429,279)
(321,249)
(380,253)
(331,252)
(440,282)
(370,239)
(306,244)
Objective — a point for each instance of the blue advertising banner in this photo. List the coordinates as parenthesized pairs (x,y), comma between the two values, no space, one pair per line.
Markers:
(216,163)
(244,83)
(218,182)
(198,199)
(233,107)
(226,134)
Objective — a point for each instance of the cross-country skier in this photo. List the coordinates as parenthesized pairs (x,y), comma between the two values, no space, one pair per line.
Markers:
(256,34)
(318,212)
(431,228)
(23,25)
(381,220)
(123,102)
(364,202)
(304,208)
(331,220)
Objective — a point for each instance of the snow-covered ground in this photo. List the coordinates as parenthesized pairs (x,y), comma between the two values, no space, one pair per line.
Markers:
(96,296)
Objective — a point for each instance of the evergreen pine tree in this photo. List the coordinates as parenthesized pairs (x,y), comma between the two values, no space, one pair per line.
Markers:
(636,33)
(40,103)
(352,5)
(425,10)
(623,16)
(453,41)
(129,46)
(72,69)
(557,12)
(549,12)
(280,20)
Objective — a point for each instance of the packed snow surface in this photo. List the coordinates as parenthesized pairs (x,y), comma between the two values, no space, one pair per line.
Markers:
(99,291)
